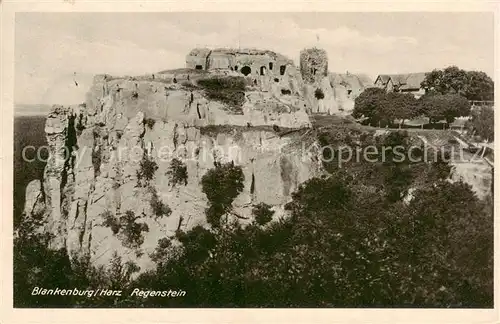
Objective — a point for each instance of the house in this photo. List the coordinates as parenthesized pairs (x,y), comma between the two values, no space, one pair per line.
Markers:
(405,83)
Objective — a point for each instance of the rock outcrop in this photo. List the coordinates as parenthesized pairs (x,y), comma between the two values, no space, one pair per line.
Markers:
(97,152)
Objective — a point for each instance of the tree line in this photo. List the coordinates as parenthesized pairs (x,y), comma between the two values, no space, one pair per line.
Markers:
(447,97)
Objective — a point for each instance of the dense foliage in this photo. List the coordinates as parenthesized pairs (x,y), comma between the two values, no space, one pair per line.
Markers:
(482,123)
(381,107)
(473,85)
(221,185)
(448,106)
(384,108)
(262,213)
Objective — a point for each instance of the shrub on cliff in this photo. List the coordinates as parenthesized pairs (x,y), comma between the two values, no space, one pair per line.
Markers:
(149,122)
(177,172)
(131,230)
(228,90)
(147,169)
(319,94)
(222,185)
(160,209)
(111,221)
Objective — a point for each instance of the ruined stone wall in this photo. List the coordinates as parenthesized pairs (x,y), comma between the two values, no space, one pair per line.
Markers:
(313,64)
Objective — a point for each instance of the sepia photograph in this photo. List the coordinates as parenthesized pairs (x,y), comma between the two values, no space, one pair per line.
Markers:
(253,160)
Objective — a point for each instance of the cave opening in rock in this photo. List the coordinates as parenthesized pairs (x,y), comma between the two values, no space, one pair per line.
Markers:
(282,69)
(276,80)
(286,91)
(246,70)
(199,67)
(236,67)
(270,65)
(262,70)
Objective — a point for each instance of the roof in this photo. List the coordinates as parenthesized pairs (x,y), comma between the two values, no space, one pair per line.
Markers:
(404,81)
(203,52)
(384,78)
(413,81)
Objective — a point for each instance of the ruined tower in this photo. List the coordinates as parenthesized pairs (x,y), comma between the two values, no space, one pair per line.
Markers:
(313,64)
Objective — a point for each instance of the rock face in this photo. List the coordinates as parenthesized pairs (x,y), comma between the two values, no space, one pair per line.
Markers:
(101,151)
(97,154)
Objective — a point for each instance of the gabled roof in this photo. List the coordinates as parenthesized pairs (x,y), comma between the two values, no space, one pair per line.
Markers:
(384,78)
(413,81)
(404,81)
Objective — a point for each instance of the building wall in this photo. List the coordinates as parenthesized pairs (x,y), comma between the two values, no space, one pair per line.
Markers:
(193,61)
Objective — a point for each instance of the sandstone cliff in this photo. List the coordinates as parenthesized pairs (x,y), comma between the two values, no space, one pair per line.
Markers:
(97,149)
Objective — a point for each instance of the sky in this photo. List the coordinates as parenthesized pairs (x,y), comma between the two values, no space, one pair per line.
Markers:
(53,50)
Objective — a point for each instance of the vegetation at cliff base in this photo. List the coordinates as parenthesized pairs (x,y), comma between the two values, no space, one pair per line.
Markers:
(221,185)
(262,213)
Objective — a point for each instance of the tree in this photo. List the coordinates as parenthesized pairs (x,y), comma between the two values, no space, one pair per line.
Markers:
(483,123)
(222,185)
(369,104)
(448,106)
(400,106)
(479,86)
(473,85)
(384,107)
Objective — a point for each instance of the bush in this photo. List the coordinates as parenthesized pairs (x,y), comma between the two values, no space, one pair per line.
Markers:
(177,172)
(262,213)
(162,251)
(147,169)
(228,90)
(319,94)
(131,230)
(149,122)
(111,221)
(160,209)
